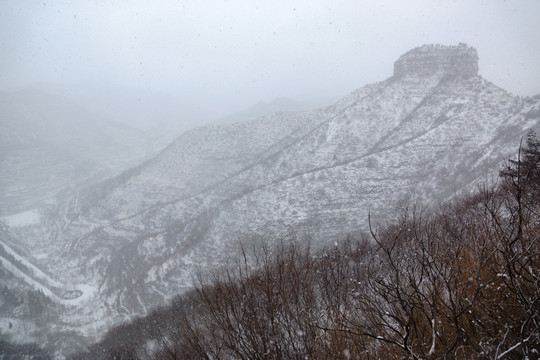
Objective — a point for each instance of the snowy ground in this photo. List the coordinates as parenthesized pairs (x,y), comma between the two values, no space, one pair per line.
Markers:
(49,286)
(30,217)
(18,330)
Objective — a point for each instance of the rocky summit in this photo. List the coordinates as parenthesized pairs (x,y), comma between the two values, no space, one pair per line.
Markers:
(450,61)
(121,247)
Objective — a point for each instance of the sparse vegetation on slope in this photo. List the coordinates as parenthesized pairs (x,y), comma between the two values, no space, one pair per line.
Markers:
(461,283)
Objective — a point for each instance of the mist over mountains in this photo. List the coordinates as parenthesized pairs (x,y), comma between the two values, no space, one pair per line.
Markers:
(161,115)
(116,247)
(49,144)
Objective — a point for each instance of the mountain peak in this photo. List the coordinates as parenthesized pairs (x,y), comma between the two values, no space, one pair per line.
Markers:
(428,60)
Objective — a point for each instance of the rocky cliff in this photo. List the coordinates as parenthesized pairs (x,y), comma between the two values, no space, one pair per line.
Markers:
(447,61)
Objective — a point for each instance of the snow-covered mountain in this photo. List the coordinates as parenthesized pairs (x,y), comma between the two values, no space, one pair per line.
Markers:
(433,129)
(48,144)
(264,108)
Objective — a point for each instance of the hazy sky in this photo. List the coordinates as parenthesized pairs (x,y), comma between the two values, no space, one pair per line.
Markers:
(237,53)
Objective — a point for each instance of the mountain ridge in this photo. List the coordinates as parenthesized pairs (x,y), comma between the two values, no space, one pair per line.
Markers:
(301,173)
(426,134)
(314,169)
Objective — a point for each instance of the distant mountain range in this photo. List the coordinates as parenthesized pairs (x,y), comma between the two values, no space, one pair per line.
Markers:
(431,131)
(160,114)
(48,144)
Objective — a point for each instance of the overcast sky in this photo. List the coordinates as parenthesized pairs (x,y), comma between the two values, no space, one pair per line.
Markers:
(236,53)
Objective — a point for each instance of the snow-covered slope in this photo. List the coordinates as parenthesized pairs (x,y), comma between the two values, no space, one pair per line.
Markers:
(433,129)
(263,108)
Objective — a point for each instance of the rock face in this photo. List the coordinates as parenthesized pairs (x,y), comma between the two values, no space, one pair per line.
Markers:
(452,61)
(138,240)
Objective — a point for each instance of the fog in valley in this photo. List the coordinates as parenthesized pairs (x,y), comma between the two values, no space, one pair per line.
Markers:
(146,146)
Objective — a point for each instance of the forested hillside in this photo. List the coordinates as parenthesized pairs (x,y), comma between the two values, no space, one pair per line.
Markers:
(460,282)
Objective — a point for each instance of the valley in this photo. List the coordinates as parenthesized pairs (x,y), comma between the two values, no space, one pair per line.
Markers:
(119,244)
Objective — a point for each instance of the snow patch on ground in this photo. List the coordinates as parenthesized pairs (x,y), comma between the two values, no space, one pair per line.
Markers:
(30,217)
(87,293)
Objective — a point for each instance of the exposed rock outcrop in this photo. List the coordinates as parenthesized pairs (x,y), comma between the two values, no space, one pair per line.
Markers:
(452,61)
